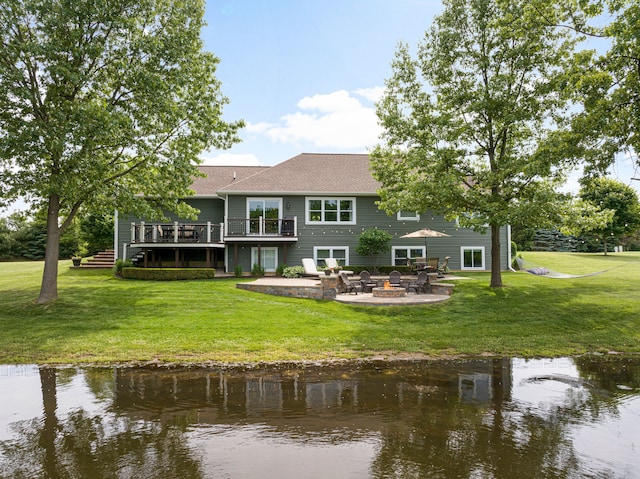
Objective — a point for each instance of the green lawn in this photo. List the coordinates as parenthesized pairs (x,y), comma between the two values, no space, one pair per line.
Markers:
(101,319)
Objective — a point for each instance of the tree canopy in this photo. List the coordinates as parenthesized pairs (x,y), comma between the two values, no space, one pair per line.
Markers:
(606,194)
(104,105)
(467,123)
(608,88)
(373,242)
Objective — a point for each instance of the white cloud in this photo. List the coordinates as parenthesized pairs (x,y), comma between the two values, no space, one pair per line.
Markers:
(372,94)
(335,120)
(230,159)
(330,103)
(258,127)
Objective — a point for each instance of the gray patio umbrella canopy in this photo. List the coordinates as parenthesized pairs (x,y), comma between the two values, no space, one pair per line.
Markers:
(426,233)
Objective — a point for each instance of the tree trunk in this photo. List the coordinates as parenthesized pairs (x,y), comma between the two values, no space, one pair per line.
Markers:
(604,241)
(49,286)
(50,426)
(496,274)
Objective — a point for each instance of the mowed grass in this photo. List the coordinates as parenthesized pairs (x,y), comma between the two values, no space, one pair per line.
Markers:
(101,319)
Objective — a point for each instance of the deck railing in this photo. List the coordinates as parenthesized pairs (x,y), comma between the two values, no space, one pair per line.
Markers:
(261,226)
(176,232)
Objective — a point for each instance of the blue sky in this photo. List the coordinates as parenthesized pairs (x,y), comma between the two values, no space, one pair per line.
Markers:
(304,74)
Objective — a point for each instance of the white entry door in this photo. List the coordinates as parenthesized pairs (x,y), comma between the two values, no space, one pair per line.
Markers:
(268,258)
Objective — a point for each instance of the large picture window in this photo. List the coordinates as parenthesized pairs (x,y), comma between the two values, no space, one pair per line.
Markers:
(472,257)
(402,253)
(331,210)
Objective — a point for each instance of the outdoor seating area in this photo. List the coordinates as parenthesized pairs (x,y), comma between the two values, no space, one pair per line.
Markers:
(366,283)
(417,287)
(419,282)
(310,288)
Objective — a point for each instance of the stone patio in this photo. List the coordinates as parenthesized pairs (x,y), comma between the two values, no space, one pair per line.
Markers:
(311,288)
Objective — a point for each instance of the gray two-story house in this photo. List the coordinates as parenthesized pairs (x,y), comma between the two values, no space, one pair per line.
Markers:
(310,206)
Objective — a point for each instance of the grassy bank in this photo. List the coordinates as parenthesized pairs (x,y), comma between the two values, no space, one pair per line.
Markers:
(103,319)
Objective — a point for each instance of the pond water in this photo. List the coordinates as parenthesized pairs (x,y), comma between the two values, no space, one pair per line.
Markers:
(482,418)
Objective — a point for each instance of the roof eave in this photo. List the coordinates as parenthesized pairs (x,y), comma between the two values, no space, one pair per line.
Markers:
(300,193)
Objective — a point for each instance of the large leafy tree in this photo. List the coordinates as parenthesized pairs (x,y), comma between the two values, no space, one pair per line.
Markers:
(606,85)
(104,104)
(606,194)
(464,122)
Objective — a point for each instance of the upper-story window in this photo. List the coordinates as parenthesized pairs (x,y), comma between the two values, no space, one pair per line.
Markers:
(405,215)
(331,210)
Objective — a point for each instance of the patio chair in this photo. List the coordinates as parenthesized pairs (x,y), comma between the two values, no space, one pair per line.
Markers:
(288,226)
(394,278)
(366,282)
(442,269)
(432,264)
(349,286)
(420,264)
(423,282)
(333,263)
(310,267)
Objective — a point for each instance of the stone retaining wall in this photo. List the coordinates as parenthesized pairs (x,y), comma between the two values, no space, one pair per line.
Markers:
(442,288)
(326,290)
(307,292)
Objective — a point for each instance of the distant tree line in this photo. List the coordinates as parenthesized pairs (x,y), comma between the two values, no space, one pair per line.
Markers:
(23,236)
(605,214)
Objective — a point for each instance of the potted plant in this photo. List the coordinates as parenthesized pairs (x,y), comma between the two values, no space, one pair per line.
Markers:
(77,259)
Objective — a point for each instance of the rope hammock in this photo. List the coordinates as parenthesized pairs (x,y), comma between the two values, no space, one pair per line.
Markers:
(547,273)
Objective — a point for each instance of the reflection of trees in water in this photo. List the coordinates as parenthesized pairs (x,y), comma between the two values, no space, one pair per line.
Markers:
(437,420)
(84,446)
(500,439)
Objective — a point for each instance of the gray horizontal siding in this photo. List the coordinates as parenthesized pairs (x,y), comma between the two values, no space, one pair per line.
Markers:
(367,216)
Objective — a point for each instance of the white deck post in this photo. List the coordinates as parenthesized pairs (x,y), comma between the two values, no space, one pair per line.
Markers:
(208,231)
(175,231)
(295,226)
(221,239)
(133,232)
(141,232)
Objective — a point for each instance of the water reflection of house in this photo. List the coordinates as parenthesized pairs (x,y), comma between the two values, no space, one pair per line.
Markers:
(310,397)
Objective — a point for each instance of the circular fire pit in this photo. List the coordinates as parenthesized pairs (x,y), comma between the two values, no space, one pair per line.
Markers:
(394,292)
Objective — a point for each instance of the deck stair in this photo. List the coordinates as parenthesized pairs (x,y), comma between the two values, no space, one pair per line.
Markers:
(104,259)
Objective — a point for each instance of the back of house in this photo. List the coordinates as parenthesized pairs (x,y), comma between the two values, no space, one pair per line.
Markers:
(310,206)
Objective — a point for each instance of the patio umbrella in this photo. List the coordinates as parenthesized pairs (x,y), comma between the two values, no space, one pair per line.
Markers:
(425,233)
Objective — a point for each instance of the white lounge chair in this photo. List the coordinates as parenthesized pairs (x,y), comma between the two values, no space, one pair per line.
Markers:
(310,267)
(332,263)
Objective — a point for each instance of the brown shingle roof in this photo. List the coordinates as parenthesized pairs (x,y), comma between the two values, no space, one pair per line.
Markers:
(311,173)
(221,176)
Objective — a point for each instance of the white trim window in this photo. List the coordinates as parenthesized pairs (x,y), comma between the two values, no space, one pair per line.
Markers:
(400,254)
(268,258)
(406,215)
(332,211)
(472,257)
(341,253)
(269,209)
